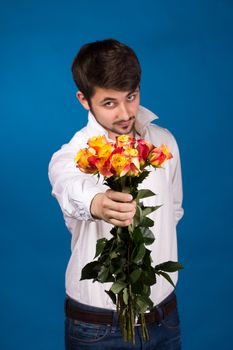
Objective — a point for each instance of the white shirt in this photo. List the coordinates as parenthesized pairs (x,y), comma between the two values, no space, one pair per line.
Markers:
(75,190)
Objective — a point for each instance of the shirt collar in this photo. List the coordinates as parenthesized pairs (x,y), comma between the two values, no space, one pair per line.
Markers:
(143,119)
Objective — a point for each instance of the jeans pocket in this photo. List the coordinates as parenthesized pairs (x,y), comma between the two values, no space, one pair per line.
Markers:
(172,320)
(85,332)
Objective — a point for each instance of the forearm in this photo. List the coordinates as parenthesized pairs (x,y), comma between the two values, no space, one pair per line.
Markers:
(73,190)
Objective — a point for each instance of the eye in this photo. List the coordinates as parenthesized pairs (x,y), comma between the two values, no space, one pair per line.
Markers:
(109,104)
(131,97)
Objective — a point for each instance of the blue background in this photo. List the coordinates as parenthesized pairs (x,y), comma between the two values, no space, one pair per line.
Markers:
(186,52)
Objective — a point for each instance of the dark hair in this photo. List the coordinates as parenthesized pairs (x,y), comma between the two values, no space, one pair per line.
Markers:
(107,64)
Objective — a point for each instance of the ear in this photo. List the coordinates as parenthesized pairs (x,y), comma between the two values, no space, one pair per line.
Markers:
(82,99)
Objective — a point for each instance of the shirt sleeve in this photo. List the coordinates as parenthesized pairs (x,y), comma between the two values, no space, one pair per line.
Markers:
(73,189)
(177,187)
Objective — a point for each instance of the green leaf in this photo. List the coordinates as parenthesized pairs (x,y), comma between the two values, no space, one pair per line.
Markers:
(134,276)
(104,275)
(114,269)
(100,244)
(121,234)
(125,296)
(169,266)
(113,231)
(117,265)
(116,183)
(131,228)
(147,222)
(147,210)
(114,254)
(121,249)
(137,236)
(167,277)
(148,236)
(146,290)
(138,179)
(138,216)
(147,260)
(134,193)
(143,303)
(121,276)
(117,287)
(104,256)
(111,295)
(138,253)
(144,194)
(137,287)
(90,270)
(149,277)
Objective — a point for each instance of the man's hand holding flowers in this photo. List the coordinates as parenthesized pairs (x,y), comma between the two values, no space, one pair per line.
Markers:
(116,208)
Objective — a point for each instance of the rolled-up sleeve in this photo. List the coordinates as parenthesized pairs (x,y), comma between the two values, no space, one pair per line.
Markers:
(73,189)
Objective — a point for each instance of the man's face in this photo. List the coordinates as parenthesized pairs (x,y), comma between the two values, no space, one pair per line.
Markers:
(115,110)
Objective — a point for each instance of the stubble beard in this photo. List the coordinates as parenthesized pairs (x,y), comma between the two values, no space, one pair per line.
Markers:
(117,129)
(114,130)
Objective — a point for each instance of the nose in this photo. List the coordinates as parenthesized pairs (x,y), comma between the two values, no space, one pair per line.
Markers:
(123,112)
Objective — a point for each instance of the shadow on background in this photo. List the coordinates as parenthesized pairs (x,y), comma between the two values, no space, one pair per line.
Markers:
(185,49)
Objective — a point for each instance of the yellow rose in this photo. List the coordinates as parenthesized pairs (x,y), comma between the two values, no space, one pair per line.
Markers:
(97,141)
(85,160)
(120,164)
(105,151)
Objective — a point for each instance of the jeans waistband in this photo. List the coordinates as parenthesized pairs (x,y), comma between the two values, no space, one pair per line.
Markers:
(92,314)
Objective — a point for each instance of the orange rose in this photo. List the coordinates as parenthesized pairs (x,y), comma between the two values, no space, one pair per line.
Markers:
(105,168)
(144,149)
(85,160)
(159,155)
(133,155)
(125,162)
(125,141)
(133,170)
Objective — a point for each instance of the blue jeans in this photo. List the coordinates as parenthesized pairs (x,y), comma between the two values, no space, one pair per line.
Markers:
(162,336)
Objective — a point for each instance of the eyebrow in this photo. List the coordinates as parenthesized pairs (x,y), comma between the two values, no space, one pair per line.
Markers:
(115,99)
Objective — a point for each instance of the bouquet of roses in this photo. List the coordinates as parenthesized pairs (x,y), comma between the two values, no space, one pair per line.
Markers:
(125,259)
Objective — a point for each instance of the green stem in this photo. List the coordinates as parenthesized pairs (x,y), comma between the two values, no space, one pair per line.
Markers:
(132,316)
(145,333)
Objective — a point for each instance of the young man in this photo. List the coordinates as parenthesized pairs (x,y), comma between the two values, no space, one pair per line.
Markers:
(107,74)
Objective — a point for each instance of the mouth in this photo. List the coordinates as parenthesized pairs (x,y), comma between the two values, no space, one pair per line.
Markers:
(125,124)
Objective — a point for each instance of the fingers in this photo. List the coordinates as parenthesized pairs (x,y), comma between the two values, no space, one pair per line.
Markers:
(120,223)
(119,196)
(120,216)
(116,208)
(119,201)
